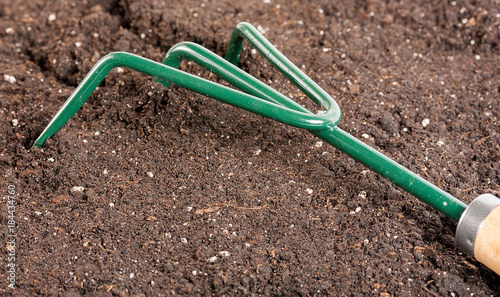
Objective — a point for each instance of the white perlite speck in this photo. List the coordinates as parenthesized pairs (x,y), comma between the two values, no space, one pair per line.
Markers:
(425,122)
(212,259)
(224,253)
(150,174)
(77,189)
(184,240)
(15,122)
(309,191)
(9,78)
(52,17)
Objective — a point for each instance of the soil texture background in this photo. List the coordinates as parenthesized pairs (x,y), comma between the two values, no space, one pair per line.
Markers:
(149,191)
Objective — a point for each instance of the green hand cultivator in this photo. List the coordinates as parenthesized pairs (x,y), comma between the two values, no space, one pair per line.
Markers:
(478,230)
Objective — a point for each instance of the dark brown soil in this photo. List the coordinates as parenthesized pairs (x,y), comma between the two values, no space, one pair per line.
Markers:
(183,195)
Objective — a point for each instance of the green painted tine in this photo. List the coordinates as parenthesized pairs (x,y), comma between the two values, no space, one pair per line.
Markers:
(246,82)
(188,81)
(227,71)
(246,31)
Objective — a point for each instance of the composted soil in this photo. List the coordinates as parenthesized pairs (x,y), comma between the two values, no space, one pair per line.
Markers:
(149,191)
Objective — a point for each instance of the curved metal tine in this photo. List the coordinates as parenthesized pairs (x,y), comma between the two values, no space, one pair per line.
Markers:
(185,80)
(249,84)
(227,71)
(286,67)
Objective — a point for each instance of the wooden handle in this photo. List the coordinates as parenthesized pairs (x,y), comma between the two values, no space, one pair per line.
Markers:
(487,245)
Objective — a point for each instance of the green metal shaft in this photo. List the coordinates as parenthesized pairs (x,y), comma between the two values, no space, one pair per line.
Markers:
(399,175)
(335,136)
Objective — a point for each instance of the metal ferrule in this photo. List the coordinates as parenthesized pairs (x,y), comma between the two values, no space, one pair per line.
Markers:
(471,220)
